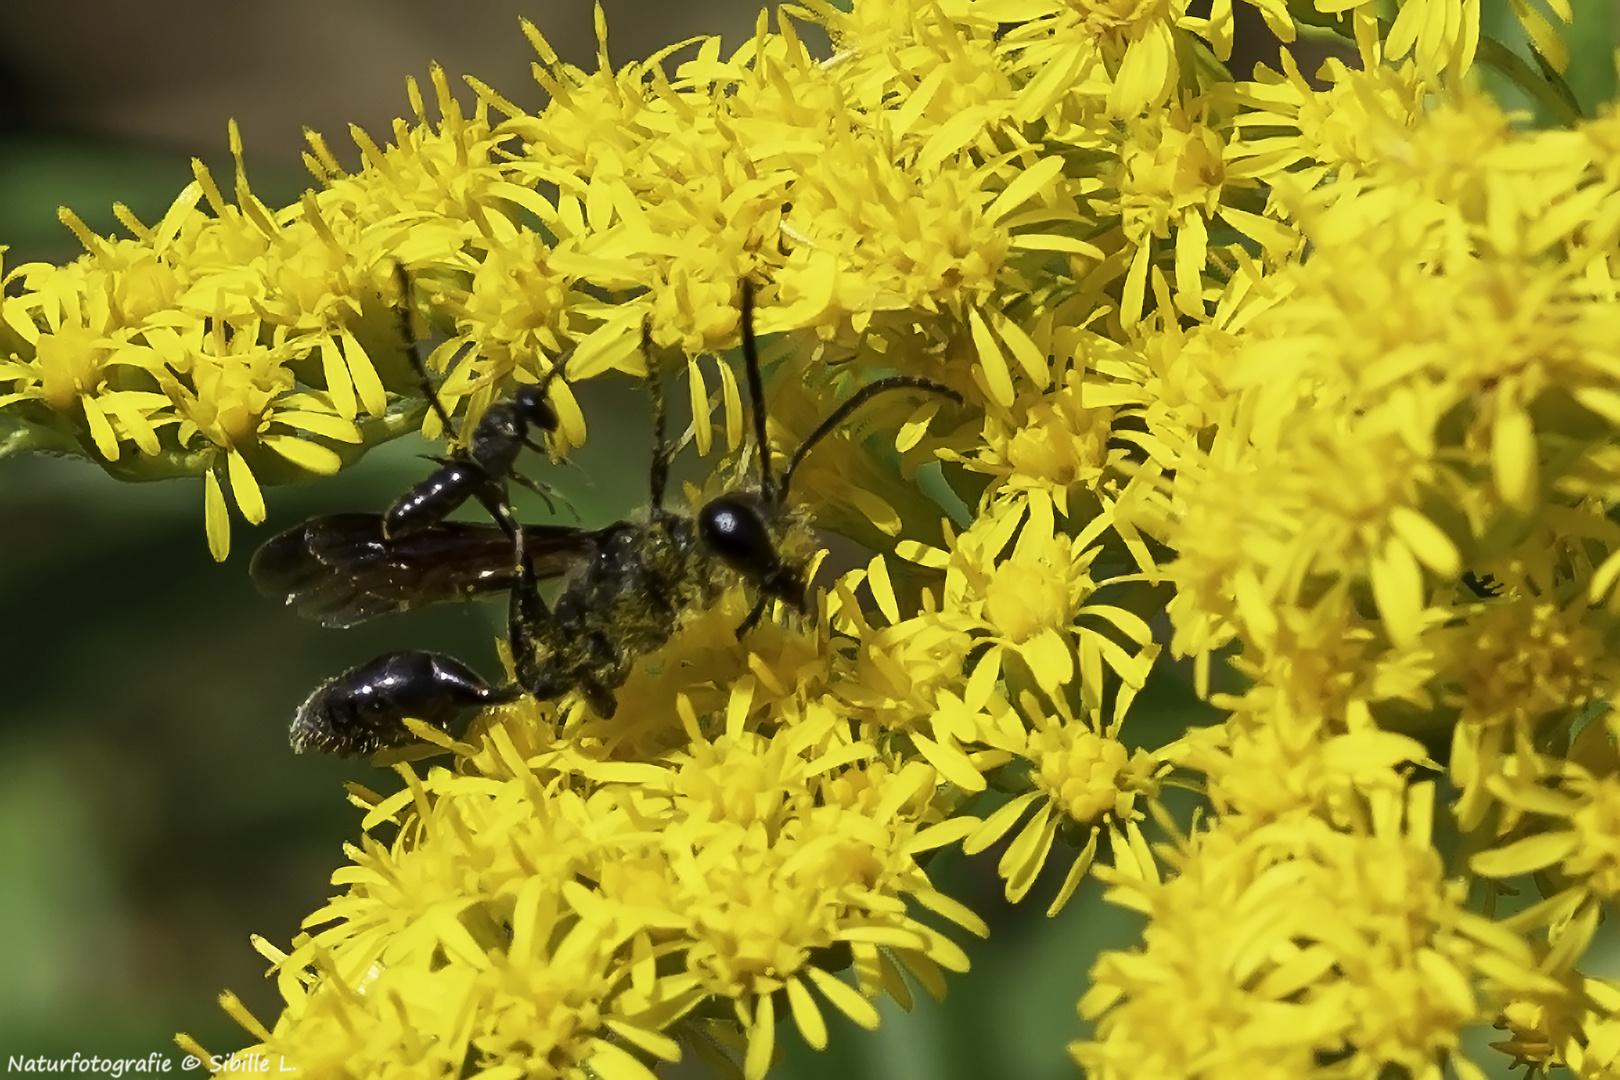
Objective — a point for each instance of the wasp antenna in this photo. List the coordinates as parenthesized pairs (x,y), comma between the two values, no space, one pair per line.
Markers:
(842,413)
(558,367)
(402,279)
(662,452)
(756,393)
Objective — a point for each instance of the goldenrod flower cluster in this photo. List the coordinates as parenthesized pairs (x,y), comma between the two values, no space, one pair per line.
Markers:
(1316,379)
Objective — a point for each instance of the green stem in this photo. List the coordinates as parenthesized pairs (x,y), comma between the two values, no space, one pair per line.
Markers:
(1549,88)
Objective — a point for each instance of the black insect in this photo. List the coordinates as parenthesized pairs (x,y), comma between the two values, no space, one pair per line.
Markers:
(480,469)
(633,585)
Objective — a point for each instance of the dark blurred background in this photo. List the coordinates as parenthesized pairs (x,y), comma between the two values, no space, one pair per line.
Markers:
(152,816)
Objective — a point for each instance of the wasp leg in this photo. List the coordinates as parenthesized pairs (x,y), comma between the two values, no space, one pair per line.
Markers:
(526,613)
(545,492)
(753,618)
(492,497)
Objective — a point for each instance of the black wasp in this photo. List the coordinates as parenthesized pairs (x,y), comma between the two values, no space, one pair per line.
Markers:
(481,468)
(632,585)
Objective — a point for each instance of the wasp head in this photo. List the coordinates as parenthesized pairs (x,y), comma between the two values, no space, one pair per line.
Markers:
(734,529)
(531,403)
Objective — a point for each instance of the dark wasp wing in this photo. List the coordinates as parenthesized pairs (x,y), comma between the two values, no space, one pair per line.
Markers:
(339,569)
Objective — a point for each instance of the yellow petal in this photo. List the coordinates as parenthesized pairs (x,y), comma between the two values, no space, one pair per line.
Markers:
(612,1062)
(806,1014)
(702,422)
(1024,186)
(1192,249)
(1024,350)
(1427,540)
(1021,863)
(101,432)
(652,1042)
(1603,580)
(1397,586)
(307,455)
(954,910)
(1525,856)
(1513,456)
(875,510)
(877,577)
(1274,236)
(923,555)
(245,488)
(912,431)
(1050,659)
(1130,302)
(952,763)
(732,400)
(338,382)
(1076,874)
(364,373)
(1004,818)
(997,379)
(949,137)
(616,344)
(318,423)
(845,998)
(125,406)
(761,1033)
(1069,245)
(215,516)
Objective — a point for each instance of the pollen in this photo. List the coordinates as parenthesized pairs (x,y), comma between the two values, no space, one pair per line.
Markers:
(1080,770)
(1026,596)
(1528,659)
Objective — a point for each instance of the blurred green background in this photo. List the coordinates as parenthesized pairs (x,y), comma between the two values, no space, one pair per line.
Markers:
(152,816)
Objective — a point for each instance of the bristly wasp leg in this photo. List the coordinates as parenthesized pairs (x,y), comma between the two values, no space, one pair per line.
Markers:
(494,501)
(526,612)
(542,491)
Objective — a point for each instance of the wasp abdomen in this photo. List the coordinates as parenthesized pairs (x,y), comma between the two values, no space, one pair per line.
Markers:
(363,710)
(426,504)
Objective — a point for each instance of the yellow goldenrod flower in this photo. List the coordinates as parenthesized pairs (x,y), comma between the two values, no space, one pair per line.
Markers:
(1031,603)
(1316,383)
(1072,439)
(1083,777)
(1276,946)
